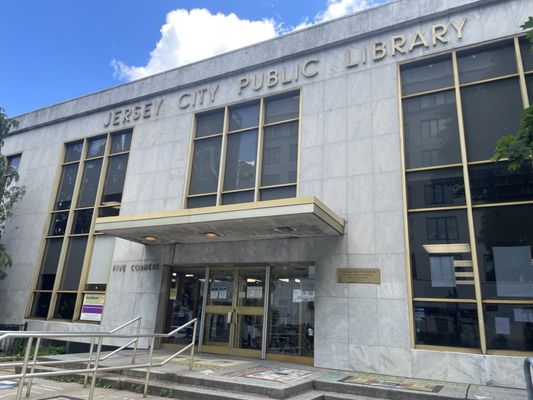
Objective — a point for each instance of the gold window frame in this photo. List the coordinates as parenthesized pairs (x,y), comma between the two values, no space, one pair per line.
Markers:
(68,235)
(260,148)
(521,74)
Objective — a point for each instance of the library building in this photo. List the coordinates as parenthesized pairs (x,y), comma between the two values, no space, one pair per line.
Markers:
(327,197)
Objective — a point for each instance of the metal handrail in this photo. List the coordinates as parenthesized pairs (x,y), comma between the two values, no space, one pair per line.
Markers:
(96,368)
(528,364)
(134,341)
(70,361)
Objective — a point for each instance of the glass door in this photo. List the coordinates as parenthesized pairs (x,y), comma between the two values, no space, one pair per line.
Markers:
(185,299)
(219,311)
(234,311)
(249,311)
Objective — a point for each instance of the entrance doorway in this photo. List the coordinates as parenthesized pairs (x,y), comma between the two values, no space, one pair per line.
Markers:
(235,311)
(253,311)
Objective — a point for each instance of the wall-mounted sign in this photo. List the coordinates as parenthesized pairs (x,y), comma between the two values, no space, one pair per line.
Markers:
(142,266)
(358,275)
(93,307)
(130,114)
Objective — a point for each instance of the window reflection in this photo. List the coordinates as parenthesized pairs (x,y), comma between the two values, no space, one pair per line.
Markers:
(431,130)
(184,302)
(283,139)
(446,324)
(486,62)
(240,160)
(509,326)
(436,188)
(291,315)
(427,75)
(491,110)
(441,261)
(494,183)
(206,163)
(504,242)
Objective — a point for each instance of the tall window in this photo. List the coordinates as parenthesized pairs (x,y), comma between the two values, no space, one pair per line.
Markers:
(90,185)
(245,153)
(470,241)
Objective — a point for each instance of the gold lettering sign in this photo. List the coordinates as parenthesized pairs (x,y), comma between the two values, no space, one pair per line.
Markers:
(358,275)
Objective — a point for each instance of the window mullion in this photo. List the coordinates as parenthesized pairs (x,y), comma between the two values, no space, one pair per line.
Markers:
(259,155)
(522,77)
(68,229)
(223,149)
(91,237)
(470,215)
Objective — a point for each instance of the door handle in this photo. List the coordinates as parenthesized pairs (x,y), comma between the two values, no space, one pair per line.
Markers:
(230,316)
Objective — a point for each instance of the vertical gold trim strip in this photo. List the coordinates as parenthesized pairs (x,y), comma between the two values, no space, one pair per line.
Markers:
(91,239)
(522,77)
(259,156)
(68,229)
(470,215)
(188,172)
(223,148)
(405,214)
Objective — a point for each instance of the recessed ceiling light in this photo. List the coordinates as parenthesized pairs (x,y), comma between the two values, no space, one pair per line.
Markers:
(213,234)
(150,238)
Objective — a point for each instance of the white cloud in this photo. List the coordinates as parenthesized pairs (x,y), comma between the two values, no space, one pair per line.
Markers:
(182,42)
(338,8)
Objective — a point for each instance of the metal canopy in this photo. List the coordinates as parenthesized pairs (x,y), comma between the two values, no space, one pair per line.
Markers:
(297,217)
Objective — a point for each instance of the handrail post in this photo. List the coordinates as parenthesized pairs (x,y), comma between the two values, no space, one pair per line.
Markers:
(24,368)
(528,363)
(136,342)
(34,362)
(191,363)
(149,368)
(96,361)
(89,363)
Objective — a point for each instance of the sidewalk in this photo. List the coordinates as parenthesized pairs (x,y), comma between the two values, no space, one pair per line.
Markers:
(245,378)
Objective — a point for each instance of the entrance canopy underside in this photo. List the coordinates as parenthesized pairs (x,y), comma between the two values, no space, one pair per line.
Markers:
(274,219)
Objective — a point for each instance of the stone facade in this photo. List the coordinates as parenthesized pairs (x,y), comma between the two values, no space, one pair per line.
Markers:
(349,159)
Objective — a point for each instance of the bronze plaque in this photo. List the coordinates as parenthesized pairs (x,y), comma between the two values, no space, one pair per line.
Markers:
(358,275)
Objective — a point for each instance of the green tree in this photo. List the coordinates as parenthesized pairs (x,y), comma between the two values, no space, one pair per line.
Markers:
(9,191)
(518,147)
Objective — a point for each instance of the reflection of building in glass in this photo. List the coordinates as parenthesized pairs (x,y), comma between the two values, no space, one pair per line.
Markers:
(241,208)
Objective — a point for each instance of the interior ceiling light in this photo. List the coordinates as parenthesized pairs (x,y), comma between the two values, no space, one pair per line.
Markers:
(213,234)
(284,229)
(150,238)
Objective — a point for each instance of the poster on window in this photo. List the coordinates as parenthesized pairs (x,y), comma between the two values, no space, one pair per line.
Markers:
(514,271)
(93,307)
(442,271)
(254,292)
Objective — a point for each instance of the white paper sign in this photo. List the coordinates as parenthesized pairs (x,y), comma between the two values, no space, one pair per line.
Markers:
(442,272)
(514,272)
(222,293)
(503,327)
(297,296)
(254,292)
(523,315)
(308,295)
(214,293)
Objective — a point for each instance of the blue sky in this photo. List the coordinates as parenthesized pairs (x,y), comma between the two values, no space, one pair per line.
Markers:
(55,50)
